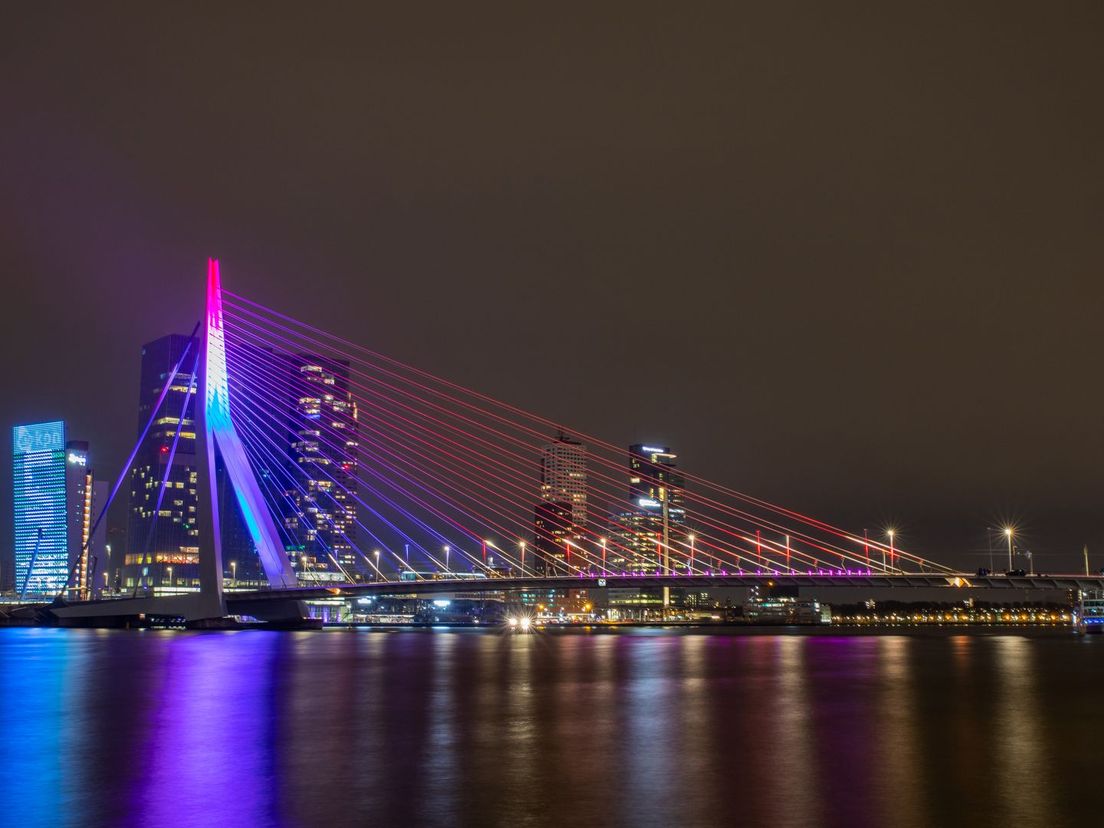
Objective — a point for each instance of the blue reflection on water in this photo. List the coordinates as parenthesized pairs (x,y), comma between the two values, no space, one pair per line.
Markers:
(34,739)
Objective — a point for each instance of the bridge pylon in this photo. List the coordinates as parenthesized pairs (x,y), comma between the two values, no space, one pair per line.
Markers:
(215,430)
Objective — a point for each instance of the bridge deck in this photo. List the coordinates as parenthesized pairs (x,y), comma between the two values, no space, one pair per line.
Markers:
(282,603)
(914,581)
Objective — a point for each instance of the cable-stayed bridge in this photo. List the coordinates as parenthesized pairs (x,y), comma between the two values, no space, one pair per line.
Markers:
(354,473)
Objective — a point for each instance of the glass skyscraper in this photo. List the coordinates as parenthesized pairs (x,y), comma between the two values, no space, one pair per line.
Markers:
(40,509)
(54,498)
(162,554)
(655,487)
(320,514)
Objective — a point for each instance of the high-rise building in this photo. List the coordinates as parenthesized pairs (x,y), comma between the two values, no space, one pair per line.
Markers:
(561,516)
(321,513)
(553,531)
(99,562)
(85,496)
(307,463)
(163,537)
(54,498)
(653,477)
(655,509)
(162,554)
(563,476)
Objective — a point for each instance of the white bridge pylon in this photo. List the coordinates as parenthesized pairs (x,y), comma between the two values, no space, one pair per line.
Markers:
(217,429)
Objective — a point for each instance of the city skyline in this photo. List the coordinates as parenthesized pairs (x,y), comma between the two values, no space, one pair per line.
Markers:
(623,525)
(888,323)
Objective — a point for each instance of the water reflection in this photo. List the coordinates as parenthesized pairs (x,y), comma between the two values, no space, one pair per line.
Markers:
(897,780)
(1022,755)
(792,755)
(215,728)
(446,728)
(33,737)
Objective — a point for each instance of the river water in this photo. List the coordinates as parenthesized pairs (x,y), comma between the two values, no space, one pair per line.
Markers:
(469,727)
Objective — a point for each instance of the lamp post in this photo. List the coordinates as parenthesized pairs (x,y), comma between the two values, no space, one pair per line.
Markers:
(169,570)
(446,560)
(376,554)
(521,550)
(891,533)
(1008,533)
(692,538)
(603,542)
(234,572)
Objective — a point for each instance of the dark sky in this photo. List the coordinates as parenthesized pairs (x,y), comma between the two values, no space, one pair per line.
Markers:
(839,255)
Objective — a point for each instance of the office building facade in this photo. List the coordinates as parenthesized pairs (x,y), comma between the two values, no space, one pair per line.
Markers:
(655,509)
(563,476)
(54,499)
(553,532)
(320,506)
(162,541)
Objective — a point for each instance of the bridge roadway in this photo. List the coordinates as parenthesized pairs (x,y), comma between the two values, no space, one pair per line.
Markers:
(287,605)
(961,580)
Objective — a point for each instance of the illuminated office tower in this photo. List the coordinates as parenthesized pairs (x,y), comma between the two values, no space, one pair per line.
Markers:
(162,554)
(84,498)
(655,502)
(163,541)
(563,476)
(653,478)
(553,531)
(53,496)
(321,513)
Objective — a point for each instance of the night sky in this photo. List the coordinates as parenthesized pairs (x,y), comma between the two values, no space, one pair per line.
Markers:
(841,256)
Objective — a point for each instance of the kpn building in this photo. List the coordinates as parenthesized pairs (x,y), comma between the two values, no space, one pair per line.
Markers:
(55,500)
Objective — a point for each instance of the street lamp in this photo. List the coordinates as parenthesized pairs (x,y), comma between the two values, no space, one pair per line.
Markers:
(892,533)
(446,559)
(692,538)
(521,548)
(376,553)
(1008,533)
(169,570)
(603,541)
(234,572)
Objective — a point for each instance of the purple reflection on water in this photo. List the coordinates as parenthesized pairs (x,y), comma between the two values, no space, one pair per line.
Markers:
(216,721)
